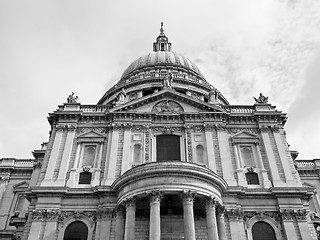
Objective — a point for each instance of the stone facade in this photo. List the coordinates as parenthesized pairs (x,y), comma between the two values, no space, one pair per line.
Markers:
(163,155)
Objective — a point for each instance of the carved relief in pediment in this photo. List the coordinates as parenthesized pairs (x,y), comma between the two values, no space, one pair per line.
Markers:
(167,106)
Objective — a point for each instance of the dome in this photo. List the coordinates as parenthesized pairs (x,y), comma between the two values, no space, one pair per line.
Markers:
(161,58)
(146,75)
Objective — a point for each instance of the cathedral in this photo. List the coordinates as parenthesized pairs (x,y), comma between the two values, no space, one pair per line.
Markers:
(162,155)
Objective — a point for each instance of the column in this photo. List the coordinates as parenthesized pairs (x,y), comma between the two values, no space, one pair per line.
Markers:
(188,217)
(221,223)
(235,218)
(241,179)
(210,205)
(119,231)
(129,230)
(155,228)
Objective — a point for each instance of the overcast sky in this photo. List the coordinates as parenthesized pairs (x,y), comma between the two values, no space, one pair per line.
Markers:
(50,48)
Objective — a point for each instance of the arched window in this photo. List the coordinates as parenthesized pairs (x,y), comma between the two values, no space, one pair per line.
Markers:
(200,152)
(263,231)
(252,178)
(89,155)
(247,157)
(85,178)
(168,148)
(76,231)
(137,153)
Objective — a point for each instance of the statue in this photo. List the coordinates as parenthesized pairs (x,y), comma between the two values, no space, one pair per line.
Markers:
(167,81)
(261,99)
(72,98)
(121,98)
(213,94)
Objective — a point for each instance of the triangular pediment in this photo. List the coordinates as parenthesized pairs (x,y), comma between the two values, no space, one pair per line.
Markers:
(21,186)
(91,134)
(244,135)
(167,102)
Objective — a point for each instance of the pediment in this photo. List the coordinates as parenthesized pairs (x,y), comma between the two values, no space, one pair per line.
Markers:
(244,136)
(21,186)
(91,134)
(167,102)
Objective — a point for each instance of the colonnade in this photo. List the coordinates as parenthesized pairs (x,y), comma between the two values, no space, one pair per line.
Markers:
(214,218)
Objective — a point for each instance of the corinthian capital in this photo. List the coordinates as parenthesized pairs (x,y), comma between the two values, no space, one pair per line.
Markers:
(155,196)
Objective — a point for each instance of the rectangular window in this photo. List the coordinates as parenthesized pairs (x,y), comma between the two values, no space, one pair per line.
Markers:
(247,158)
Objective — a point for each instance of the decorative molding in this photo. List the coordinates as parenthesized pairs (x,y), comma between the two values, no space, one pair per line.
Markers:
(168,130)
(147,144)
(221,127)
(237,130)
(168,107)
(189,145)
(235,214)
(61,127)
(263,128)
(4,179)
(287,214)
(37,164)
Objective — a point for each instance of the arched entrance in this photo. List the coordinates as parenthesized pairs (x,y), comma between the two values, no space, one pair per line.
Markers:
(263,231)
(168,148)
(76,231)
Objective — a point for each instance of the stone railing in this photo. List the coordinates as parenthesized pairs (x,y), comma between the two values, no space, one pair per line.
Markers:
(240,109)
(93,108)
(11,162)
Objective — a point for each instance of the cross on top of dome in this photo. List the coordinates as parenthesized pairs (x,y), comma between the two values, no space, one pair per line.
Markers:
(162,42)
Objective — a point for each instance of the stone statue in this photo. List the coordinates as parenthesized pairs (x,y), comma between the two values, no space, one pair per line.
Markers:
(213,94)
(121,98)
(261,99)
(72,98)
(167,81)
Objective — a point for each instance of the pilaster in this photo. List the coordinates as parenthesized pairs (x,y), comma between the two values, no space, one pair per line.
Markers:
(225,153)
(112,159)
(210,148)
(271,158)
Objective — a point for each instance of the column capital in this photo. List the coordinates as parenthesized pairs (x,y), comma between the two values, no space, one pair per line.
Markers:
(188,196)
(210,201)
(155,196)
(129,202)
(220,210)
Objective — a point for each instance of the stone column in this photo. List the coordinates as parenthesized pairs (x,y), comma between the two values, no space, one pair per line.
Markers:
(119,231)
(210,205)
(129,230)
(155,228)
(221,224)
(188,217)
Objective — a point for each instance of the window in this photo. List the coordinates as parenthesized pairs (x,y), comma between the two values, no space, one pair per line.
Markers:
(263,231)
(85,178)
(168,148)
(20,202)
(89,155)
(247,156)
(137,153)
(76,231)
(252,178)
(200,152)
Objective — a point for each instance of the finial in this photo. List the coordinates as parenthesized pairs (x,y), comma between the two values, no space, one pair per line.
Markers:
(161,29)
